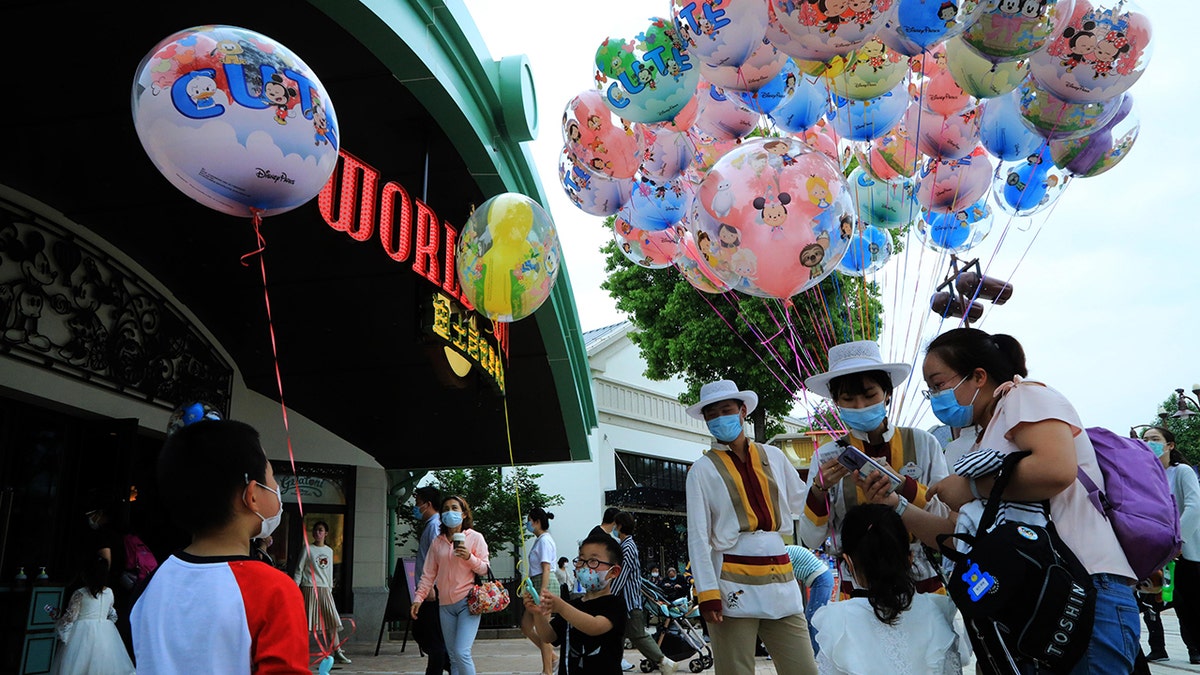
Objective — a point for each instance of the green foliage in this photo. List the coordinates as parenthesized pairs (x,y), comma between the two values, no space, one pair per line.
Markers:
(1186,429)
(684,332)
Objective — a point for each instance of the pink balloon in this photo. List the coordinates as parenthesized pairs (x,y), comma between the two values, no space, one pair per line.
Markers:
(1097,55)
(593,193)
(822,138)
(650,249)
(944,137)
(695,262)
(763,65)
(600,140)
(933,85)
(667,153)
(724,116)
(707,150)
(946,186)
(819,31)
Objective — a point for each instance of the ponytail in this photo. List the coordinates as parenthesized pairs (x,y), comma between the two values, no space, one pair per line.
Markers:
(875,539)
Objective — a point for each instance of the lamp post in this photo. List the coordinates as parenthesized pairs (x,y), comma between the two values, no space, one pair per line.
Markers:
(1183,401)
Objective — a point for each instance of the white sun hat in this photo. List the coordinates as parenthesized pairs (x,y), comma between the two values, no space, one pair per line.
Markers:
(855,357)
(722,390)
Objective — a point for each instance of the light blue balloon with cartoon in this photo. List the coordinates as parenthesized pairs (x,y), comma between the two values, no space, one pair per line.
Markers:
(872,118)
(957,231)
(656,206)
(928,22)
(1003,132)
(805,101)
(869,249)
(1028,185)
(881,203)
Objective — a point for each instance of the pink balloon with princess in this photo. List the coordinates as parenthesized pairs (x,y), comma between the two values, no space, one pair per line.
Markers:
(1100,52)
(599,139)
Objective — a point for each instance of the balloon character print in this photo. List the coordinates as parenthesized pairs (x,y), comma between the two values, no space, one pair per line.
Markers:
(235,120)
(508,257)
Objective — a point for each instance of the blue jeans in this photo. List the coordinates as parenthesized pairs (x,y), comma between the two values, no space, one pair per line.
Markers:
(1116,633)
(818,596)
(459,628)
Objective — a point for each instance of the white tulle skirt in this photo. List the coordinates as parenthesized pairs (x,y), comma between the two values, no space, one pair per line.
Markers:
(95,648)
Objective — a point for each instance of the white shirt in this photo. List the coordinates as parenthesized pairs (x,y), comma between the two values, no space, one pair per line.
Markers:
(542,551)
(854,641)
(1186,489)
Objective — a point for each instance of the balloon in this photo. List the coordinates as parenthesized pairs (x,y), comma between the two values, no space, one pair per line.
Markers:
(767,97)
(1010,30)
(235,120)
(933,86)
(657,206)
(684,119)
(593,193)
(723,33)
(1026,186)
(1098,54)
(1003,132)
(652,76)
(819,30)
(1056,119)
(958,231)
(886,204)
(695,262)
(979,77)
(869,249)
(762,66)
(772,207)
(652,250)
(724,117)
(891,156)
(928,22)
(891,36)
(508,257)
(806,100)
(944,137)
(944,186)
(1098,152)
(868,72)
(602,141)
(667,153)
(707,149)
(864,120)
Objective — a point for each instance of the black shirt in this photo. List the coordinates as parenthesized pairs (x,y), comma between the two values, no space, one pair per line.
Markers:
(584,654)
(600,531)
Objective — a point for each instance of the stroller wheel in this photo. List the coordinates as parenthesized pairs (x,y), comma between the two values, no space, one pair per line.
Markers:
(628,644)
(706,661)
(696,665)
(647,666)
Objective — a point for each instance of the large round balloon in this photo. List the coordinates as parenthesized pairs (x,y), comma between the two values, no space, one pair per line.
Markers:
(696,260)
(667,153)
(508,257)
(763,65)
(819,30)
(1100,151)
(944,137)
(1003,132)
(773,208)
(1009,30)
(722,116)
(957,231)
(648,78)
(707,149)
(944,186)
(1058,119)
(1098,55)
(722,33)
(235,120)
(652,250)
(593,193)
(657,206)
(805,100)
(768,96)
(928,22)
(864,120)
(933,85)
(602,141)
(891,156)
(1029,185)
(979,77)
(869,249)
(868,72)
(885,204)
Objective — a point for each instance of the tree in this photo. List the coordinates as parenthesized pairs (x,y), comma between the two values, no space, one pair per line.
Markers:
(1186,429)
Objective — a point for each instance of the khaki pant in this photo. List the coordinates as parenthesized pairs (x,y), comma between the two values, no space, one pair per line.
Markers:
(635,630)
(786,639)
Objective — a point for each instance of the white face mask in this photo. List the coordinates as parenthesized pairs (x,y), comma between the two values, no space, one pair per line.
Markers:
(269,523)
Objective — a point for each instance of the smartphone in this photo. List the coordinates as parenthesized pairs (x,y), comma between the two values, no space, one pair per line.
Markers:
(854,460)
(537,600)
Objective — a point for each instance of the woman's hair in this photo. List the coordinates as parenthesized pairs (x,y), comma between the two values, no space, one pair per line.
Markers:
(466,511)
(876,540)
(1176,456)
(541,516)
(626,522)
(320,523)
(562,561)
(965,349)
(854,384)
(95,573)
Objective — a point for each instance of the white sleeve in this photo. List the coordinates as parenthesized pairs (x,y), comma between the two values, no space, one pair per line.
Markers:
(302,566)
(1189,519)
(795,489)
(700,524)
(813,535)
(67,621)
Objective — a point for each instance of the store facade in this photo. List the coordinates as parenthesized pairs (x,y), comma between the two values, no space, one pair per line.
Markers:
(121,298)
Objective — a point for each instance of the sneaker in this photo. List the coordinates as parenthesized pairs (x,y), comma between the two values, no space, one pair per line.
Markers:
(626,666)
(340,656)
(1157,656)
(667,666)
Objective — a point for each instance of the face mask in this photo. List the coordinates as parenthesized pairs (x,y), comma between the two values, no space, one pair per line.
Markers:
(725,428)
(416,512)
(864,419)
(452,518)
(1157,447)
(616,533)
(592,580)
(654,575)
(949,411)
(269,524)
(529,527)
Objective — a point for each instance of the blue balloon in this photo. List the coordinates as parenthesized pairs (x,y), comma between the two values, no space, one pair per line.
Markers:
(657,206)
(926,22)
(958,231)
(872,118)
(1004,133)
(770,95)
(868,250)
(805,101)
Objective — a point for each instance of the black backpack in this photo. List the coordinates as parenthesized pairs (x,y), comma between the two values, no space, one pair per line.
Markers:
(1022,592)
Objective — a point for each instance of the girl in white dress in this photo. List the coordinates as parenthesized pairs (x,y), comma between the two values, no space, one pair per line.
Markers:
(314,574)
(887,627)
(88,629)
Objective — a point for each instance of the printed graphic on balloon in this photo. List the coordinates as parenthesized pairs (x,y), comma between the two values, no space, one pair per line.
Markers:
(823,29)
(763,65)
(945,186)
(933,85)
(958,231)
(868,72)
(720,33)
(599,139)
(768,97)
(927,22)
(235,120)
(652,250)
(1100,151)
(979,77)
(591,192)
(1098,55)
(805,101)
(885,204)
(1011,30)
(1029,185)
(658,206)
(695,261)
(868,251)
(1057,119)
(647,78)
(891,156)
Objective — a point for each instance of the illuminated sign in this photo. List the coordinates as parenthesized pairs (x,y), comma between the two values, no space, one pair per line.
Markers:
(408,228)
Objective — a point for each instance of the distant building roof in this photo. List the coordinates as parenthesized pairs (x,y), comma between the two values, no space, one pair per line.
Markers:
(594,337)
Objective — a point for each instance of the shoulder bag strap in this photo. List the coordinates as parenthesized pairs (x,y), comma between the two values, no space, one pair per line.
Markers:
(1003,476)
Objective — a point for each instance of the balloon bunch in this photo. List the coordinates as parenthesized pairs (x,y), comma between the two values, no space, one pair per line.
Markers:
(761,145)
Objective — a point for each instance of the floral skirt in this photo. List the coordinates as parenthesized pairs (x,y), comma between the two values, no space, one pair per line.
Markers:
(322,613)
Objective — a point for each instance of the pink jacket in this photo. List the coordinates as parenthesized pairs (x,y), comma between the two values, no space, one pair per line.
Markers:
(452,575)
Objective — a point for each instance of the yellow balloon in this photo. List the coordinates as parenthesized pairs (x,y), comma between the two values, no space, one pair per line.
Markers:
(979,77)
(870,71)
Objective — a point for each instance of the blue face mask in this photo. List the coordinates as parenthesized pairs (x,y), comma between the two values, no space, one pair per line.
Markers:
(452,518)
(864,419)
(1158,447)
(529,527)
(592,580)
(725,428)
(949,411)
(416,512)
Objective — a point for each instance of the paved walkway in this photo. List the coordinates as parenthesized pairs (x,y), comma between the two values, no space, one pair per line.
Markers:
(512,656)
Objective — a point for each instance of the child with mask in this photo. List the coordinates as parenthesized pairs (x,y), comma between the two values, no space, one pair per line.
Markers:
(590,629)
(860,384)
(212,608)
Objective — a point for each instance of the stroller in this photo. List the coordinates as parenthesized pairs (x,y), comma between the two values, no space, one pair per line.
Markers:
(676,632)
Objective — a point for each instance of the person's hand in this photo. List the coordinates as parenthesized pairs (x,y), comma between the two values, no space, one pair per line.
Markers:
(712,615)
(954,491)
(461,551)
(551,603)
(877,489)
(414,610)
(831,473)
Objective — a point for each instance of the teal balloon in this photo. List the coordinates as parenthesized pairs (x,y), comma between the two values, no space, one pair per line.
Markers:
(886,204)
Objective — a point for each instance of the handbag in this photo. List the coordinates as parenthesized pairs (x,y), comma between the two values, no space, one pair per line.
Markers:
(486,597)
(1023,594)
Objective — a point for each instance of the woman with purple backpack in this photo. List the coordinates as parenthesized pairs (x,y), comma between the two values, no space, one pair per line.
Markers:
(976,378)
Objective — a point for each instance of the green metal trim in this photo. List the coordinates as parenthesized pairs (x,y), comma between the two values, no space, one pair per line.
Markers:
(433,48)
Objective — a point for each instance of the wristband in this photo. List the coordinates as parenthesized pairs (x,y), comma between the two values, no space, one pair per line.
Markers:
(901,505)
(974,488)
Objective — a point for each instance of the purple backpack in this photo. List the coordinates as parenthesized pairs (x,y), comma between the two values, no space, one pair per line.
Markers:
(1136,500)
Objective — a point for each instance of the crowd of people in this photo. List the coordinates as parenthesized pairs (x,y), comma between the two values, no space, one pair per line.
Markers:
(879,502)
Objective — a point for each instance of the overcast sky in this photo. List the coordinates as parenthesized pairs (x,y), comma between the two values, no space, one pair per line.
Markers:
(1105,286)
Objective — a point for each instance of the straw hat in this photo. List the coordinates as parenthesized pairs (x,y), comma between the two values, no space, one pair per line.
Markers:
(722,390)
(855,357)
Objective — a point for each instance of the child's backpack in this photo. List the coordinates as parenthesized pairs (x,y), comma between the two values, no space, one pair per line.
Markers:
(1136,500)
(139,562)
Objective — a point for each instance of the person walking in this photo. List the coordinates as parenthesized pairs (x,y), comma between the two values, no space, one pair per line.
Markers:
(314,574)
(541,564)
(566,579)
(87,629)
(629,587)
(740,499)
(456,557)
(814,575)
(427,629)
